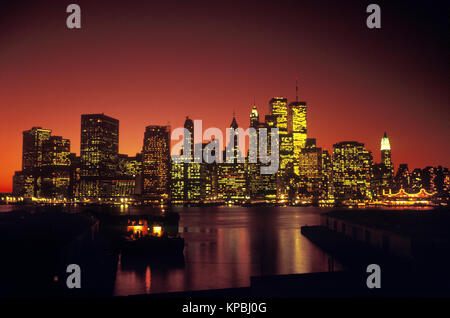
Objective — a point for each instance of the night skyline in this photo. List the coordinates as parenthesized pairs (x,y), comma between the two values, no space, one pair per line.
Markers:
(224,157)
(357,86)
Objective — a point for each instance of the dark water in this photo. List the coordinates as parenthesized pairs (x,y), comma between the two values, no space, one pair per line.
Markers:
(225,246)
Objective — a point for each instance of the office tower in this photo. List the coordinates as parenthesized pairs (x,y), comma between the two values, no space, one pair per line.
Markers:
(193,184)
(75,175)
(310,168)
(352,171)
(442,182)
(386,153)
(23,184)
(156,162)
(386,161)
(32,156)
(327,171)
(384,171)
(298,129)
(428,177)
(98,154)
(269,180)
(403,177)
(189,125)
(279,109)
(55,170)
(436,180)
(416,180)
(127,180)
(256,182)
(231,177)
(200,180)
(33,141)
(209,178)
(253,136)
(177,182)
(254,117)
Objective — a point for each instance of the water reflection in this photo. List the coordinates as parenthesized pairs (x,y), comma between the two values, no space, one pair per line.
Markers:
(224,247)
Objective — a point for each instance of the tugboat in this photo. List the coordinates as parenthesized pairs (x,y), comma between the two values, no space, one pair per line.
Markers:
(152,236)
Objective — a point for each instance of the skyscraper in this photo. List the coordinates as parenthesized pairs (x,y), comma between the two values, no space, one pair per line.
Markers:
(352,171)
(46,166)
(310,168)
(387,166)
(33,141)
(156,162)
(256,182)
(32,157)
(279,110)
(98,154)
(231,175)
(298,129)
(189,126)
(55,170)
(403,177)
(254,117)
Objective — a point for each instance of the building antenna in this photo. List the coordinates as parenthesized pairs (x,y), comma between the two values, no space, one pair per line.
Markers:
(296,88)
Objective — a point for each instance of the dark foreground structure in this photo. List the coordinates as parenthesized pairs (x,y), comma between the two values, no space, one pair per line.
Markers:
(411,247)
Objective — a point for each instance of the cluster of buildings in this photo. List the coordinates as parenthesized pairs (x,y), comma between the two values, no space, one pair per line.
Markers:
(307,174)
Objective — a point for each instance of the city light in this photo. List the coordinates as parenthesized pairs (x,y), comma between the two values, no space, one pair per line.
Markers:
(307,174)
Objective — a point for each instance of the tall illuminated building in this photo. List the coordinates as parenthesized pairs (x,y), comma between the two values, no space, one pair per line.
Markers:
(270,180)
(352,171)
(279,110)
(310,168)
(209,178)
(387,167)
(46,163)
(386,152)
(193,185)
(177,182)
(32,151)
(231,176)
(327,173)
(297,127)
(191,182)
(55,170)
(156,162)
(189,126)
(128,179)
(254,117)
(256,182)
(29,181)
(98,154)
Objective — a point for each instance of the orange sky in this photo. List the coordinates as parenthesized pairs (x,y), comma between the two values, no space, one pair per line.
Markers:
(156,63)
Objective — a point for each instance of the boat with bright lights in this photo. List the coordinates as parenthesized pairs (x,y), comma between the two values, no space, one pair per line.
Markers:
(150,236)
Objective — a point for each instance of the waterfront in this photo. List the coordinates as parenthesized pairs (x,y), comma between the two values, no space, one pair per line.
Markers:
(225,246)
